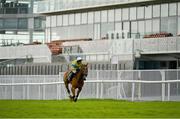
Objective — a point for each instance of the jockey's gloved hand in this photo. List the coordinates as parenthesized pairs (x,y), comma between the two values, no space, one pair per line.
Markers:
(77,70)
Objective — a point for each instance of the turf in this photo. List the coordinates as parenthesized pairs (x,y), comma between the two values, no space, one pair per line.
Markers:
(88,109)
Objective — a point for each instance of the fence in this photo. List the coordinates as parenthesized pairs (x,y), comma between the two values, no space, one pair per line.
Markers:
(54,69)
(132,85)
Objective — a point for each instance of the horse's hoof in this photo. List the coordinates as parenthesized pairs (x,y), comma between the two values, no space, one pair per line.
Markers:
(75,99)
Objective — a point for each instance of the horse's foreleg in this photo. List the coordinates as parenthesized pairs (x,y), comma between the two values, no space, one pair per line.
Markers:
(67,88)
(76,97)
(73,90)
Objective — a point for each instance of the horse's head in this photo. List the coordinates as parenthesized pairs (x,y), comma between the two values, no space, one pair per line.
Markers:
(84,68)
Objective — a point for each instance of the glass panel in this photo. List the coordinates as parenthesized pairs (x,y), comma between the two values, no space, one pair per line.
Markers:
(172,9)
(133,27)
(90,17)
(105,28)
(110,15)
(169,25)
(1,23)
(140,12)
(38,23)
(48,36)
(65,20)
(84,18)
(164,10)
(104,16)
(118,26)
(96,31)
(126,26)
(71,19)
(141,28)
(48,21)
(97,17)
(148,12)
(59,20)
(179,8)
(118,15)
(125,14)
(178,26)
(156,24)
(53,21)
(133,13)
(10,23)
(148,26)
(22,23)
(156,10)
(77,19)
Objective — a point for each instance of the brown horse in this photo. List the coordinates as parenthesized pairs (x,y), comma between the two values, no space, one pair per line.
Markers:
(77,82)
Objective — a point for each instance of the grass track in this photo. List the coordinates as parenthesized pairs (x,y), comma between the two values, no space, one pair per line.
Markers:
(88,109)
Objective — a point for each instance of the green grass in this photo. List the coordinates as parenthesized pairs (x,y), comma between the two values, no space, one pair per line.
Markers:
(88,109)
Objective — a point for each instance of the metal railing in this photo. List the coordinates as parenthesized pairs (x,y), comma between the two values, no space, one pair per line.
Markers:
(162,85)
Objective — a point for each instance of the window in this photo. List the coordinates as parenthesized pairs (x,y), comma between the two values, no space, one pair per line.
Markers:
(148,26)
(90,17)
(141,28)
(104,16)
(148,12)
(84,18)
(38,23)
(178,26)
(169,25)
(118,26)
(97,17)
(172,9)
(1,23)
(48,21)
(53,21)
(140,12)
(156,24)
(110,15)
(125,14)
(77,19)
(118,15)
(134,27)
(179,8)
(10,23)
(65,20)
(133,13)
(164,10)
(156,10)
(71,19)
(126,26)
(59,20)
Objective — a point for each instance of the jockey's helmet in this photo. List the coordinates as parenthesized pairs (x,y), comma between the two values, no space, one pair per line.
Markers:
(79,59)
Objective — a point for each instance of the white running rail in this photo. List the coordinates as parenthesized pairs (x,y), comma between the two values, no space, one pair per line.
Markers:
(129,85)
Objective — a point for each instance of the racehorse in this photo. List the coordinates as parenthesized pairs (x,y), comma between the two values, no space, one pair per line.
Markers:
(77,82)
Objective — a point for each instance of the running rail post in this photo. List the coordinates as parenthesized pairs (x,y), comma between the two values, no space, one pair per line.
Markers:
(163,86)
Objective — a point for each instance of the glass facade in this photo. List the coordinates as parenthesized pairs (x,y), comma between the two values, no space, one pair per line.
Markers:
(138,21)
(60,5)
(19,25)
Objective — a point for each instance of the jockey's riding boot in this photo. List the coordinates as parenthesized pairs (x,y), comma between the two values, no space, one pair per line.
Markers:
(71,75)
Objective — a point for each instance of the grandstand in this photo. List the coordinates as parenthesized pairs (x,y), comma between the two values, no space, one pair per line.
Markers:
(111,35)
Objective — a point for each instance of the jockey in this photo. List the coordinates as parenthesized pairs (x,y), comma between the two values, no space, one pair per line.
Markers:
(75,68)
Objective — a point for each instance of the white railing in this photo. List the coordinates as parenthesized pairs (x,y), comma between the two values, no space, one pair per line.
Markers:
(129,85)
